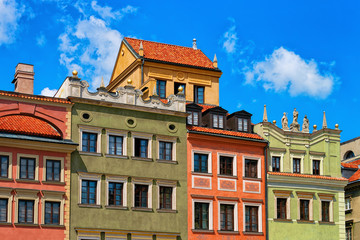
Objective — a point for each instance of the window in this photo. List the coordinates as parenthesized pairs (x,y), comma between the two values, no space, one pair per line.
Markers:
(325,211)
(226,165)
(275,164)
(242,124)
(141,195)
(53,169)
(165,197)
(316,167)
(165,150)
(27,168)
(199,94)
(89,142)
(304,209)
(251,168)
(161,88)
(88,192)
(4,166)
(218,121)
(193,118)
(348,233)
(200,162)
(115,145)
(141,147)
(52,213)
(3,210)
(176,87)
(201,215)
(296,165)
(226,217)
(26,211)
(251,219)
(115,193)
(347,203)
(281,208)
(349,154)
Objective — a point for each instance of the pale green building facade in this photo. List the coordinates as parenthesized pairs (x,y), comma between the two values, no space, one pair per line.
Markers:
(305,190)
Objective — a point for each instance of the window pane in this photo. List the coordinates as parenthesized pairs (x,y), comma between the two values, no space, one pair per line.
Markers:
(227,217)
(166,197)
(240,124)
(215,121)
(245,125)
(3,210)
(251,168)
(4,166)
(189,118)
(201,216)
(226,165)
(221,122)
(196,118)
(200,163)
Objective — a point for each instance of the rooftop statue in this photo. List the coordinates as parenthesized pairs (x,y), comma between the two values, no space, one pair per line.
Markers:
(295,126)
(305,126)
(284,122)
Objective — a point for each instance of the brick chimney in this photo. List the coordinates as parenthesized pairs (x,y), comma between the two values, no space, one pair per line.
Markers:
(24,78)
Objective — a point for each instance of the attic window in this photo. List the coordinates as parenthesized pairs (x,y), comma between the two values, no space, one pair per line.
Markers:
(193,118)
(243,125)
(218,121)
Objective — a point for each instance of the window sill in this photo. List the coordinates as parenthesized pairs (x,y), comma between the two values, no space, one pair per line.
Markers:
(202,231)
(26,225)
(201,173)
(52,226)
(116,207)
(116,156)
(282,220)
(142,209)
(142,159)
(90,153)
(166,211)
(225,232)
(326,223)
(166,161)
(27,181)
(253,233)
(5,224)
(305,221)
(227,176)
(252,179)
(53,182)
(6,179)
(89,205)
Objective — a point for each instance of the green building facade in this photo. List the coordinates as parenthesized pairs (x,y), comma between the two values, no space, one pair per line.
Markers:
(128,177)
(305,190)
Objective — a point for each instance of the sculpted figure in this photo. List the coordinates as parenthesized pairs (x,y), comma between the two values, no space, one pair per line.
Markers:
(305,126)
(284,122)
(295,126)
(295,116)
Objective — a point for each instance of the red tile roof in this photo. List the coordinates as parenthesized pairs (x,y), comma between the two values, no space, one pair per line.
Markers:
(308,176)
(355,176)
(225,132)
(356,162)
(171,53)
(349,165)
(205,107)
(27,125)
(34,97)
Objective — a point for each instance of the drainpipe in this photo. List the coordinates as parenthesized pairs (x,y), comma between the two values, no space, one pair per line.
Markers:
(266,192)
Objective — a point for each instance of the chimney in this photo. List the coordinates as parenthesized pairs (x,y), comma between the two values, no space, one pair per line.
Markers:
(194,44)
(24,78)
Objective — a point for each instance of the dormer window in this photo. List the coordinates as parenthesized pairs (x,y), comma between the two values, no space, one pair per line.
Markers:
(193,118)
(218,121)
(242,124)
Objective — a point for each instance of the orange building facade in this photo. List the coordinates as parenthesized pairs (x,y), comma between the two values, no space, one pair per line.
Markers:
(226,175)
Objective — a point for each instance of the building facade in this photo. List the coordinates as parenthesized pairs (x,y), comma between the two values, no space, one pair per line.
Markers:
(128,178)
(226,175)
(305,187)
(35,150)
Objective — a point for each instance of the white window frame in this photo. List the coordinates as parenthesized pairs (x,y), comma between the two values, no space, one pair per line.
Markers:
(142,181)
(166,139)
(90,177)
(321,159)
(142,136)
(259,164)
(5,193)
(301,156)
(9,154)
(117,133)
(118,179)
(236,217)
(260,222)
(90,129)
(27,194)
(288,202)
(218,116)
(167,183)
(211,212)
(53,196)
(22,155)
(61,159)
(346,203)
(306,197)
(201,152)
(277,154)
(220,154)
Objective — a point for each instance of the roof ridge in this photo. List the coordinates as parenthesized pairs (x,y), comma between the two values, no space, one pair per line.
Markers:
(33,96)
(164,44)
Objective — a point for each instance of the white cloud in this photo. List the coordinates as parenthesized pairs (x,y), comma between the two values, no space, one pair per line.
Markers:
(41,40)
(284,70)
(230,39)
(239,105)
(10,14)
(48,92)
(107,13)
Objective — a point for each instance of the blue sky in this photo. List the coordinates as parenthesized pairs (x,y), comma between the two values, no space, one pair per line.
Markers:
(285,54)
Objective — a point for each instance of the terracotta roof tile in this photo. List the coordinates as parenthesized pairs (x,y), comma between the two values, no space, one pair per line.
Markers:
(34,97)
(308,176)
(27,125)
(349,165)
(355,162)
(171,53)
(225,132)
(355,176)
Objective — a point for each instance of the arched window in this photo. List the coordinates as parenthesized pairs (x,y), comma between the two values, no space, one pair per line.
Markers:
(349,154)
